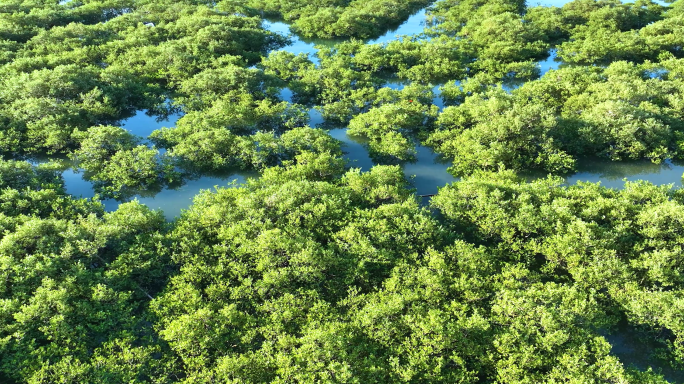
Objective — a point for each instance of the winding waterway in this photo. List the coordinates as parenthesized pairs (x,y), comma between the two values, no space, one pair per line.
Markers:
(427,173)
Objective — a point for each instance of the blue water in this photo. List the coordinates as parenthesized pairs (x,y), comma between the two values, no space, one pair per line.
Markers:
(143,124)
(170,201)
(427,173)
(552,62)
(613,174)
(414,25)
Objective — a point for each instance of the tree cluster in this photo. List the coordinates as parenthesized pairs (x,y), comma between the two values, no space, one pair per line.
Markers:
(338,18)
(317,274)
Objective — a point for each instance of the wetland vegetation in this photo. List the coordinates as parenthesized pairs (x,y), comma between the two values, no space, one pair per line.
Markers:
(318,268)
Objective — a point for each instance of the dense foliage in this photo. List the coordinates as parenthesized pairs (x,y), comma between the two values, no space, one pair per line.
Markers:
(621,112)
(315,272)
(338,18)
(73,71)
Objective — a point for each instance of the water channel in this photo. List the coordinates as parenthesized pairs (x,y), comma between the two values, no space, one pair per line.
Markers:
(427,173)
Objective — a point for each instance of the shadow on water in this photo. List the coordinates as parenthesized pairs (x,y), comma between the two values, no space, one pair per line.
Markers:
(612,174)
(173,201)
(635,350)
(552,62)
(413,26)
(427,173)
(354,149)
(300,44)
(398,84)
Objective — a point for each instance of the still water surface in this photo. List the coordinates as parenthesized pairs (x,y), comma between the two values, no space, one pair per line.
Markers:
(171,201)
(427,173)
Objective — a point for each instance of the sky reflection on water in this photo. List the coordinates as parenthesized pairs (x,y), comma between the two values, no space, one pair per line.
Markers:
(427,173)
